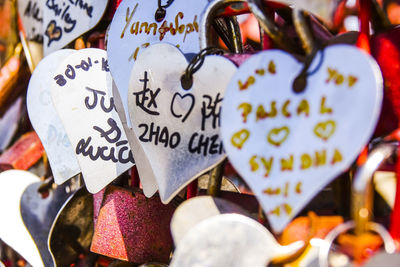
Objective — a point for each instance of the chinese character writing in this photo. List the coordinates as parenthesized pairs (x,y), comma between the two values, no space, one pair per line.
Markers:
(147,95)
(212,110)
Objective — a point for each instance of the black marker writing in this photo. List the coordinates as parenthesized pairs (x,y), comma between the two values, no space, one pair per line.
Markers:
(32,10)
(213,108)
(113,128)
(70,71)
(158,135)
(103,106)
(200,144)
(83,6)
(86,149)
(62,11)
(142,97)
(104,65)
(85,65)
(192,102)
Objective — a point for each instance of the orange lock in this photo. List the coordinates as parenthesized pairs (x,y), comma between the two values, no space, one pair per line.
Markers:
(306,228)
(312,226)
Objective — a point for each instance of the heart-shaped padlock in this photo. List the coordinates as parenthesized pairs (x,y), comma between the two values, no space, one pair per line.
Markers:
(65,21)
(177,128)
(135,27)
(229,240)
(198,209)
(288,145)
(49,128)
(81,93)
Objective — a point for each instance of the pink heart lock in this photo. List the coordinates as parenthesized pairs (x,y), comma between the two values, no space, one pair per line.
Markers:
(132,227)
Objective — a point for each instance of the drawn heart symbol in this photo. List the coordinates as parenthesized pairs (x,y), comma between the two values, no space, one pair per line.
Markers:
(329,123)
(134,28)
(53,32)
(179,138)
(239,138)
(186,107)
(277,136)
(63,21)
(325,130)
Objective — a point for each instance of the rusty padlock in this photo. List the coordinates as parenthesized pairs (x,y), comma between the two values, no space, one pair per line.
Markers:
(133,228)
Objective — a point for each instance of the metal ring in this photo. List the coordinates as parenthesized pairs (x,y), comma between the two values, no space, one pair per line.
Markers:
(195,64)
(377,156)
(362,186)
(388,241)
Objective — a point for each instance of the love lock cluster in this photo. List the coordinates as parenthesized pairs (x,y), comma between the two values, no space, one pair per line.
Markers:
(199,133)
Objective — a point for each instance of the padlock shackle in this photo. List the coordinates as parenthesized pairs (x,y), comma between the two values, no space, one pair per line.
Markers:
(376,157)
(256,7)
(362,197)
(206,18)
(303,29)
(268,26)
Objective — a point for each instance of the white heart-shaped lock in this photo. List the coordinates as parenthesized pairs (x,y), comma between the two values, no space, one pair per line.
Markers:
(31,14)
(134,28)
(45,120)
(287,145)
(81,91)
(230,240)
(177,128)
(12,228)
(63,21)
